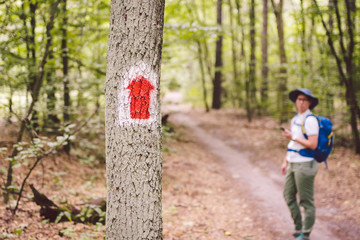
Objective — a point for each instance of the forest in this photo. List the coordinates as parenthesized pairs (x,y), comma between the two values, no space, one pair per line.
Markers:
(227,65)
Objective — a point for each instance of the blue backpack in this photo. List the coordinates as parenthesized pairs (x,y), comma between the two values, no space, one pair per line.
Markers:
(325,140)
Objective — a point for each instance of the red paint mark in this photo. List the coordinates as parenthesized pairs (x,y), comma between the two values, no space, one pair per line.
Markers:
(140,89)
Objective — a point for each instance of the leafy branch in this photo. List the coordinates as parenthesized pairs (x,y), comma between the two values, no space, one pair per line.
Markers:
(36,90)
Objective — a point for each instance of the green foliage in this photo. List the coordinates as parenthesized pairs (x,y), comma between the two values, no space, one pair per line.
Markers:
(68,232)
(92,213)
(63,214)
(18,231)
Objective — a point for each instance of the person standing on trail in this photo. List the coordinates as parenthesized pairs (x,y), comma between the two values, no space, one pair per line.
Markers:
(301,171)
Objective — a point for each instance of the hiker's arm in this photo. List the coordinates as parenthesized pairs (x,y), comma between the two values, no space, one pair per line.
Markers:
(311,142)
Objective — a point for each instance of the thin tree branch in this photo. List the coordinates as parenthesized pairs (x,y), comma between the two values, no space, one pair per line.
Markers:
(81,64)
(49,151)
(331,44)
(275,7)
(338,18)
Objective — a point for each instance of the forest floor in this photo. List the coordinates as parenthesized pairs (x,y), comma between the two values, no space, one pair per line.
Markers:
(202,196)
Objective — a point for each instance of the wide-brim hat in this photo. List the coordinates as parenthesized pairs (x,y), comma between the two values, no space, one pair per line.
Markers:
(294,94)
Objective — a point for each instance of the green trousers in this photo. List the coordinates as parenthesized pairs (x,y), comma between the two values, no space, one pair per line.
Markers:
(300,179)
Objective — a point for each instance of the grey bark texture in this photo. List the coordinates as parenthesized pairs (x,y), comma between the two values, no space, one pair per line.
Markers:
(133,146)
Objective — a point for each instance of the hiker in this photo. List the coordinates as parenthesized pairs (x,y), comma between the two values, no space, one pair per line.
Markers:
(301,171)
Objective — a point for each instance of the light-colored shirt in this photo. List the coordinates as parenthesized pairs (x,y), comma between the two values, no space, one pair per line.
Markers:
(311,128)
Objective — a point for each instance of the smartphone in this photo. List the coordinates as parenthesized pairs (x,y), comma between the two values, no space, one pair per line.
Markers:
(282,129)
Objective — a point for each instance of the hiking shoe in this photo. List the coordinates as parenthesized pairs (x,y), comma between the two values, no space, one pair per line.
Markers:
(302,237)
(296,233)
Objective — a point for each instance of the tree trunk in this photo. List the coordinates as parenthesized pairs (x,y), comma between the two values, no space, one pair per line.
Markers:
(303,45)
(282,86)
(250,86)
(52,119)
(65,61)
(351,102)
(32,45)
(216,104)
(235,96)
(264,60)
(133,120)
(242,55)
(202,71)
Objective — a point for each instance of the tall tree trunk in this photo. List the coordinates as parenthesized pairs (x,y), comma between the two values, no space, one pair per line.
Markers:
(208,63)
(65,61)
(242,58)
(264,59)
(217,89)
(52,119)
(303,44)
(133,120)
(202,71)
(251,86)
(32,45)
(235,96)
(282,86)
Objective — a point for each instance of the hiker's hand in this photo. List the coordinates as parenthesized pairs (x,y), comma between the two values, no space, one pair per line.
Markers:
(286,133)
(283,167)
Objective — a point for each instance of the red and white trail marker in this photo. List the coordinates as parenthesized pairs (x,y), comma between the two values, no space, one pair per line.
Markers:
(138,93)
(140,89)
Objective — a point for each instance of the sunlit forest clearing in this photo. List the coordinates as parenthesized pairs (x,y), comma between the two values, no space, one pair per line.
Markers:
(208,139)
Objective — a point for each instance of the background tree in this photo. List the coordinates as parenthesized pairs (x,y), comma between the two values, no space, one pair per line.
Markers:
(65,63)
(217,89)
(345,61)
(251,81)
(264,57)
(282,82)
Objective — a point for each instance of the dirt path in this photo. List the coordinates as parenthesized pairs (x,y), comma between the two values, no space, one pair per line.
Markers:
(265,189)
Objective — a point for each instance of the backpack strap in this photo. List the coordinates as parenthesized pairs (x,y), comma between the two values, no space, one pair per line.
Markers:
(293,150)
(303,125)
(329,137)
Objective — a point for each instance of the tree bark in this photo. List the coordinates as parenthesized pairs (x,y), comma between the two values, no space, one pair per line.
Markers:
(32,45)
(52,118)
(303,45)
(202,71)
(242,54)
(250,85)
(216,104)
(282,86)
(235,96)
(264,59)
(65,61)
(133,135)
